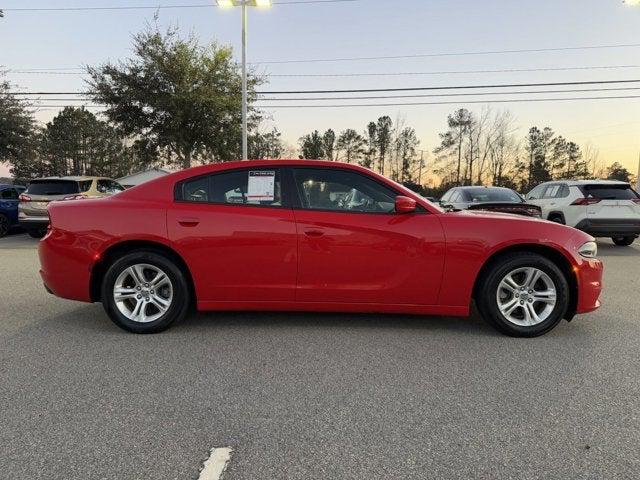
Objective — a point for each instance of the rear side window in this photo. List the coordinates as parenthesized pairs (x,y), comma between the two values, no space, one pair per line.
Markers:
(609,192)
(9,194)
(85,185)
(109,187)
(551,191)
(53,187)
(237,187)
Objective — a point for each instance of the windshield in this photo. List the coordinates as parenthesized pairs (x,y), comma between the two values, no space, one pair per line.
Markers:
(493,195)
(53,187)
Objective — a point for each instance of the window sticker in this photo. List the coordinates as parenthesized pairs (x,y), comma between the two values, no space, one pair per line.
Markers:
(261,186)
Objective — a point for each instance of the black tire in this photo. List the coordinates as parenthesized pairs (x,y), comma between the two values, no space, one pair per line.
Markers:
(180,303)
(623,241)
(4,225)
(37,232)
(556,218)
(486,295)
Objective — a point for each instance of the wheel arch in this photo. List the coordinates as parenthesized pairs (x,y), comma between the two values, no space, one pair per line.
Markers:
(557,213)
(546,251)
(128,246)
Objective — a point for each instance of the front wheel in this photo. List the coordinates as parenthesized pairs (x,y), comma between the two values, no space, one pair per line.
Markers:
(145,292)
(623,241)
(523,295)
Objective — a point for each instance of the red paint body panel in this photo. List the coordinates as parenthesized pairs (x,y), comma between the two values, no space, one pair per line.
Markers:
(244,257)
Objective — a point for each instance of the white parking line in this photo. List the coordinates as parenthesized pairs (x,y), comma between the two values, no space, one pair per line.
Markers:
(216,464)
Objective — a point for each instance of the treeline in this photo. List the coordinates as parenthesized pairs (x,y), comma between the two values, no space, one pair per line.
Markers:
(177,103)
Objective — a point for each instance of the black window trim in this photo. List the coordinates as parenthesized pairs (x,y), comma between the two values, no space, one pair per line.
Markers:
(298,205)
(286,204)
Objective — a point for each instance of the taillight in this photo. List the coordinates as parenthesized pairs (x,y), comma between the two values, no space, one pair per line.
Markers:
(586,201)
(24,198)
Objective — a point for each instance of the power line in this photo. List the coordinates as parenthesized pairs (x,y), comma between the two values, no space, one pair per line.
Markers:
(456,87)
(526,92)
(452,72)
(520,100)
(161,7)
(380,74)
(453,54)
(405,89)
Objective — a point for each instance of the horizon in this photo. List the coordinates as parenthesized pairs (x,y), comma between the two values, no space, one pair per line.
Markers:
(67,39)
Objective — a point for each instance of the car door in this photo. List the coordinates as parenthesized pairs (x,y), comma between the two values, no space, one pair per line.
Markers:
(241,246)
(9,204)
(354,248)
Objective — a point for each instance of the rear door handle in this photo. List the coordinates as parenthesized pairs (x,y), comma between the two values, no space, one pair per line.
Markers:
(188,221)
(313,232)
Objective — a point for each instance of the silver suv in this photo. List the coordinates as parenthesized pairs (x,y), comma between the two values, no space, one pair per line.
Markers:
(602,208)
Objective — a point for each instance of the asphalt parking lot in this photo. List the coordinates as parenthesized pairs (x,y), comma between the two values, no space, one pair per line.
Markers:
(305,396)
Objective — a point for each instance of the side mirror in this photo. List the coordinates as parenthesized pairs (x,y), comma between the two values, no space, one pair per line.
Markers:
(405,204)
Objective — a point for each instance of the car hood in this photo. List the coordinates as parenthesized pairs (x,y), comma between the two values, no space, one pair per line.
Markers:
(489,215)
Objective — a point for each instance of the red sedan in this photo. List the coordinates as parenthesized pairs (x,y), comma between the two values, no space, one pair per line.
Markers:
(303,235)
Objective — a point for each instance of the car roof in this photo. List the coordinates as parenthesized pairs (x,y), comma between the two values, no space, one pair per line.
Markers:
(70,178)
(479,187)
(577,183)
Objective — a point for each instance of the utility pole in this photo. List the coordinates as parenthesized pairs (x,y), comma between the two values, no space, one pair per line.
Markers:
(421,165)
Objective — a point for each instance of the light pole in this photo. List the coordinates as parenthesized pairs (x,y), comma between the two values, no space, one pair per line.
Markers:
(244,4)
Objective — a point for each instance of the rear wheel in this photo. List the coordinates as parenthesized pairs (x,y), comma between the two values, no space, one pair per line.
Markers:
(523,295)
(4,225)
(556,218)
(623,241)
(37,232)
(145,292)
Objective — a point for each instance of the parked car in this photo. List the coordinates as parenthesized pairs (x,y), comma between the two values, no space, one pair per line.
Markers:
(32,211)
(602,208)
(295,243)
(9,207)
(495,199)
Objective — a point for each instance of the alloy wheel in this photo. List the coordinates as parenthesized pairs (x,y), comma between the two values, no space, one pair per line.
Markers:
(526,296)
(143,293)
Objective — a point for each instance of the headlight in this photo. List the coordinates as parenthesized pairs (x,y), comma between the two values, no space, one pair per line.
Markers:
(589,250)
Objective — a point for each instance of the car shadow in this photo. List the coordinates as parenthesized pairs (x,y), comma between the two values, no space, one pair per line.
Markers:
(606,248)
(91,318)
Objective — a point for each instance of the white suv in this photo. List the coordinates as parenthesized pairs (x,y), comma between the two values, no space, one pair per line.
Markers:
(602,208)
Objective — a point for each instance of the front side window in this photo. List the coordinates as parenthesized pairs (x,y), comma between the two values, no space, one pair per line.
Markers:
(237,187)
(536,193)
(340,190)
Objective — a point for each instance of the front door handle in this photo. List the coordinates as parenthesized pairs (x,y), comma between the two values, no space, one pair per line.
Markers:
(312,232)
(188,221)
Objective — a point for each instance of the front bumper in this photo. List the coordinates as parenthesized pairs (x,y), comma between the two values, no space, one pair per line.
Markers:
(589,277)
(610,227)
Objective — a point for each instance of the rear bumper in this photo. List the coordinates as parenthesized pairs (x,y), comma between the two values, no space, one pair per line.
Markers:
(65,269)
(589,276)
(33,221)
(610,227)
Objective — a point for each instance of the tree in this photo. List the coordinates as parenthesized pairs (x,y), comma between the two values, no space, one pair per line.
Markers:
(75,142)
(458,125)
(371,141)
(312,146)
(537,146)
(265,145)
(383,140)
(352,144)
(407,143)
(618,172)
(182,99)
(329,143)
(17,133)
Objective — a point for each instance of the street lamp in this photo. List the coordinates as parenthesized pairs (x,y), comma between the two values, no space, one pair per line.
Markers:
(244,4)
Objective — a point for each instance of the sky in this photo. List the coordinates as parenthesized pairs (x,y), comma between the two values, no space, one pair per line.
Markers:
(372,28)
